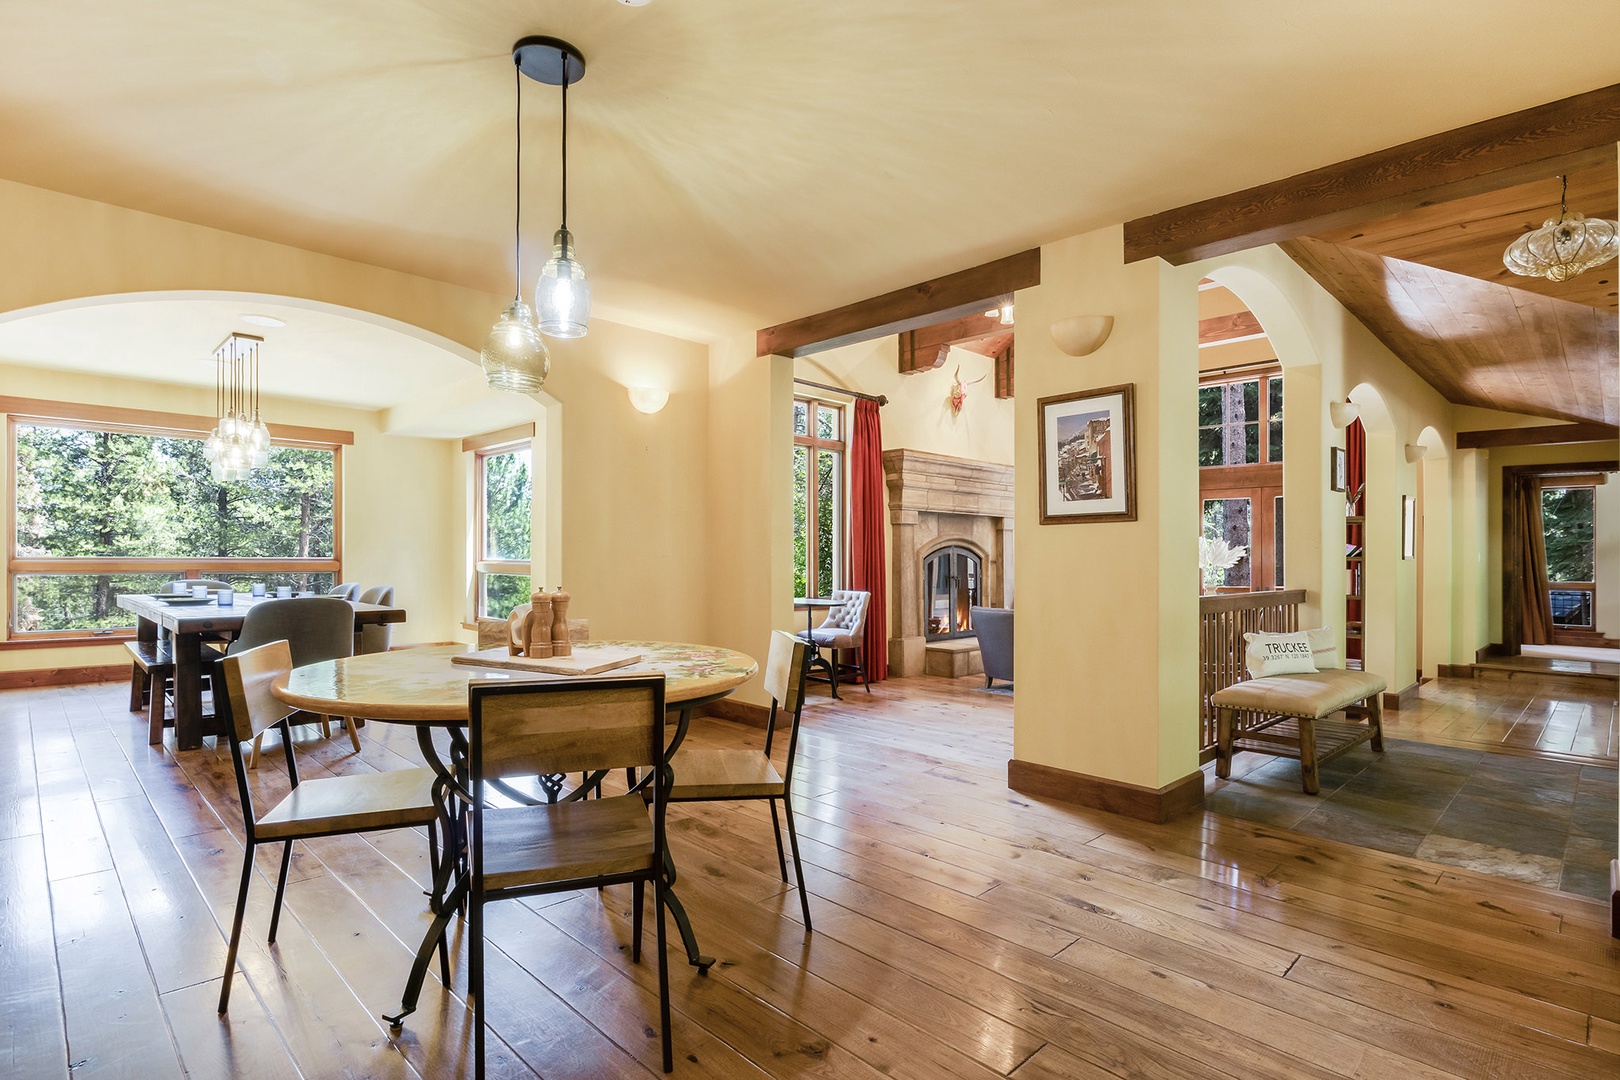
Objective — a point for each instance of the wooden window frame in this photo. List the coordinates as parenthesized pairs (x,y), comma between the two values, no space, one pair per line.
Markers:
(1576,635)
(35,412)
(484,447)
(1263,374)
(840,446)
(1260,482)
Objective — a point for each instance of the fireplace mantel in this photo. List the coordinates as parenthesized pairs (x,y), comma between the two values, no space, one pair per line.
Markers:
(934,500)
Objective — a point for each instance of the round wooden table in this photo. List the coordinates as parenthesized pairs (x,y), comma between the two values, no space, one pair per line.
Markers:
(422,688)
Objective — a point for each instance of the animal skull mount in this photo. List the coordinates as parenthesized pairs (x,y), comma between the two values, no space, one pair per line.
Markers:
(958,396)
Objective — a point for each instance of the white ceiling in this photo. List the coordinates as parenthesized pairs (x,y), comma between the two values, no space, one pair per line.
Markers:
(774,158)
(317,356)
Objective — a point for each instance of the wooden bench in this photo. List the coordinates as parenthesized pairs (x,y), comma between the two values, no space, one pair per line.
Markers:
(152,669)
(1292,711)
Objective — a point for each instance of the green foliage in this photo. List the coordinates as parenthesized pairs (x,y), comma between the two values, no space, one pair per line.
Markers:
(1568,517)
(508,501)
(801,521)
(117,495)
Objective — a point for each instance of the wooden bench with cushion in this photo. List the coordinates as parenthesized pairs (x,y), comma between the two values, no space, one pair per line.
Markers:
(1292,712)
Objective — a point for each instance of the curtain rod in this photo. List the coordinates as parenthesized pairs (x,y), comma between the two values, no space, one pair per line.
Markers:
(879,398)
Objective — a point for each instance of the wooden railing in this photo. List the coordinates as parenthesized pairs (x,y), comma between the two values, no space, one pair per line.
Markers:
(1223,620)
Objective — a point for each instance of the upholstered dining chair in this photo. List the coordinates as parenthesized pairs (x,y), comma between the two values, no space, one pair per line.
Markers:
(583,726)
(349,590)
(327,806)
(376,637)
(316,628)
(719,775)
(187,584)
(842,632)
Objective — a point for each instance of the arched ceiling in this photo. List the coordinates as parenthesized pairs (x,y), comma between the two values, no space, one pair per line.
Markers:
(775,159)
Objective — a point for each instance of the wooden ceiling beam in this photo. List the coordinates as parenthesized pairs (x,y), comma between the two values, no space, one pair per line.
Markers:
(1221,329)
(1558,137)
(1544,435)
(942,299)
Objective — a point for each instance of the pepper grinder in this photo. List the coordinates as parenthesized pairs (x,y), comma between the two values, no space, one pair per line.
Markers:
(561,645)
(538,631)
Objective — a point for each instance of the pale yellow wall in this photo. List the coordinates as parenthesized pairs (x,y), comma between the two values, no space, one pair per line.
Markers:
(1607,616)
(405,542)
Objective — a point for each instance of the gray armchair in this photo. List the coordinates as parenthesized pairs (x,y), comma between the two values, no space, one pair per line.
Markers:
(994,626)
(376,637)
(316,628)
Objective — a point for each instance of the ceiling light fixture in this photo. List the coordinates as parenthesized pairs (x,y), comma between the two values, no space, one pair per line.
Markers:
(514,357)
(1564,246)
(240,441)
(562,299)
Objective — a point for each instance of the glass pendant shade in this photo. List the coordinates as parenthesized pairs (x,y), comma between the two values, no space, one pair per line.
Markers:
(514,356)
(563,296)
(1564,246)
(240,440)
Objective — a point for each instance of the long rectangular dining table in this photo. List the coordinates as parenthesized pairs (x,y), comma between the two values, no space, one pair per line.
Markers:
(189,623)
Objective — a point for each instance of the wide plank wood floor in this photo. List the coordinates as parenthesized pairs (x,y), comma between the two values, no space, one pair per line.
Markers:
(961,930)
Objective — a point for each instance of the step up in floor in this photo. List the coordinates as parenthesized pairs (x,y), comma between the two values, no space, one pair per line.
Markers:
(952,659)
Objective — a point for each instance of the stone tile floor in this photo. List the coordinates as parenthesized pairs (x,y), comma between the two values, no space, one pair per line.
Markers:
(1547,822)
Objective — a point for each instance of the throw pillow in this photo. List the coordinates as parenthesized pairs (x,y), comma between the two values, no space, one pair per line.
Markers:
(1277,654)
(1324,648)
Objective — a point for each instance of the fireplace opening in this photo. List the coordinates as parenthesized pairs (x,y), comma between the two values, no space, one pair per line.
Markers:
(951,576)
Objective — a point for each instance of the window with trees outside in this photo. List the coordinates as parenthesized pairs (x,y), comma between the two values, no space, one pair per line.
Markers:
(818,497)
(103,510)
(1569,532)
(1240,452)
(504,498)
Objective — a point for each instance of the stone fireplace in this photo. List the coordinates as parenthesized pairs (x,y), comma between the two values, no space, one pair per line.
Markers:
(953,517)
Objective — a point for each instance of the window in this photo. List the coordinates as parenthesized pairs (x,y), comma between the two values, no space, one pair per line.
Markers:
(105,509)
(1568,524)
(818,497)
(504,498)
(1232,430)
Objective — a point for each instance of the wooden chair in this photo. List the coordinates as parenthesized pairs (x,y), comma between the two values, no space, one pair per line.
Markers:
(703,775)
(328,806)
(316,628)
(588,726)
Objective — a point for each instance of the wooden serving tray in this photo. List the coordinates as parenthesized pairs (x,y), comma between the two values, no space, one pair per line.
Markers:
(585,661)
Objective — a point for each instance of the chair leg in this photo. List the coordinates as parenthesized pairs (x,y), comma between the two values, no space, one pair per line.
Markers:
(798,867)
(253,756)
(638,896)
(776,834)
(326,726)
(663,974)
(281,889)
(475,980)
(832,670)
(354,732)
(236,929)
(860,668)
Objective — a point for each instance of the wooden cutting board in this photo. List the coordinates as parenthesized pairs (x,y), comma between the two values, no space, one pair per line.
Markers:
(586,660)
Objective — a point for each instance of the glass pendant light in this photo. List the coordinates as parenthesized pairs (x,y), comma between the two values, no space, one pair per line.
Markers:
(514,356)
(1564,246)
(240,440)
(563,296)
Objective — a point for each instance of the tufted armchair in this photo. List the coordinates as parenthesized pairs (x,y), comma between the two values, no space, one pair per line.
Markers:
(843,631)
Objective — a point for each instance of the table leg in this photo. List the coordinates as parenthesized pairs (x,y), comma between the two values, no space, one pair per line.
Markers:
(188,715)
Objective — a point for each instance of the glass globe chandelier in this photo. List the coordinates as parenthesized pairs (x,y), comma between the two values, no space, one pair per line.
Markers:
(514,358)
(562,299)
(240,441)
(1564,246)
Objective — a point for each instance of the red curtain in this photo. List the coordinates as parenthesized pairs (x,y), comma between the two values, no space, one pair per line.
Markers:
(868,566)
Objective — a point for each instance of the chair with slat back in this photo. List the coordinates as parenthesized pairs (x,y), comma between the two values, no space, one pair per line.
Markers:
(328,806)
(316,628)
(707,775)
(587,726)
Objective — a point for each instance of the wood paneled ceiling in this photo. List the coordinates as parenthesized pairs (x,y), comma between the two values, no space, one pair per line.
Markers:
(1430,284)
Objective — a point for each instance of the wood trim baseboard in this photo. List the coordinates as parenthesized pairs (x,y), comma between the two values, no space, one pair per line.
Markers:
(1402,699)
(1495,648)
(743,712)
(1456,671)
(1158,805)
(68,676)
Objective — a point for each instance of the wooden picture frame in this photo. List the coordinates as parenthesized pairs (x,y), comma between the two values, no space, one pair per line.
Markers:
(1088,455)
(1408,526)
(1338,471)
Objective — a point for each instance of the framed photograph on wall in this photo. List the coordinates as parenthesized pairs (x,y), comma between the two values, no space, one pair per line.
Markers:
(1408,526)
(1088,456)
(1338,471)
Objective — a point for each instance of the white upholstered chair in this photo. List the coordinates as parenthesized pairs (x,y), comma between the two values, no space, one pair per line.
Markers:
(843,631)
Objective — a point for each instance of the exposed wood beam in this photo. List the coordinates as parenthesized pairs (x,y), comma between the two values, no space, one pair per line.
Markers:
(954,296)
(1561,136)
(1004,372)
(1224,329)
(1536,436)
(924,348)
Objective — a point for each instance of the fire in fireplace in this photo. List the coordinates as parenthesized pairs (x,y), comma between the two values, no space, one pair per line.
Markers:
(951,576)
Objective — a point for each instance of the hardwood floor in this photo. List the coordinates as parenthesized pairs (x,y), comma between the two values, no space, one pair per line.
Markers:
(1567,719)
(962,930)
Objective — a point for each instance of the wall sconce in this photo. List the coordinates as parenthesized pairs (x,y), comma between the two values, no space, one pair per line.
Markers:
(1415,453)
(648,399)
(1082,335)
(1343,413)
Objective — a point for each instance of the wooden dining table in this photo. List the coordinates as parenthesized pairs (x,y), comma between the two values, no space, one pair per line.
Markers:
(422,688)
(189,623)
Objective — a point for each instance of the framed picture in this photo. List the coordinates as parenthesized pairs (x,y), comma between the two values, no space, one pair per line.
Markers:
(1088,456)
(1408,526)
(1338,471)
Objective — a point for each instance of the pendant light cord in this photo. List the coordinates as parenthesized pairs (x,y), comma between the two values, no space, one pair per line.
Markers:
(517,175)
(564,57)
